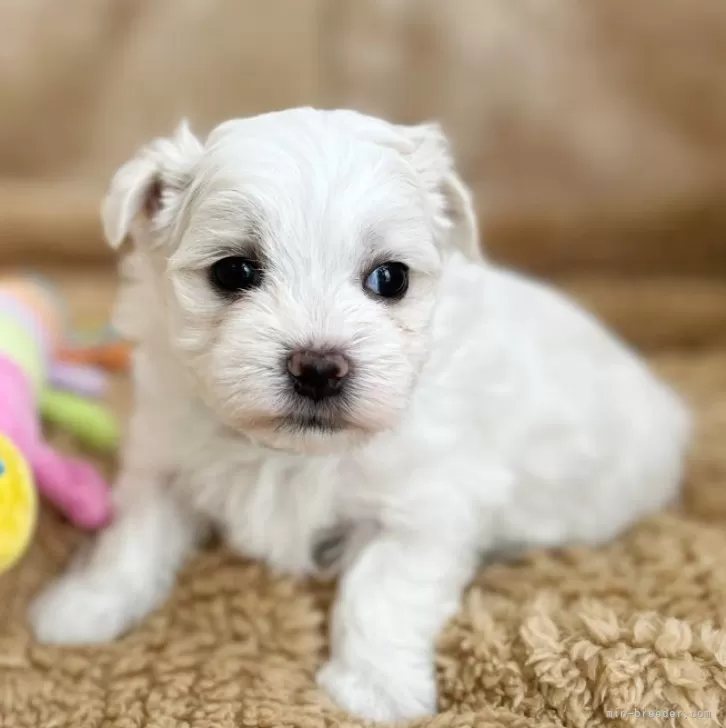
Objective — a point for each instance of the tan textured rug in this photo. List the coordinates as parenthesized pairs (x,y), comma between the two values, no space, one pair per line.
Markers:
(556,639)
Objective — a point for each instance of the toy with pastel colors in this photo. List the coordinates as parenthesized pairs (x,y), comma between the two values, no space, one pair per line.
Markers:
(31,326)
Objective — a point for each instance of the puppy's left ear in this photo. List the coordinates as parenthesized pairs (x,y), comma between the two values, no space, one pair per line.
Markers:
(146,187)
(429,152)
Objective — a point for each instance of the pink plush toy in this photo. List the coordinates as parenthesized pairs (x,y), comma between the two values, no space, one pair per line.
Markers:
(29,331)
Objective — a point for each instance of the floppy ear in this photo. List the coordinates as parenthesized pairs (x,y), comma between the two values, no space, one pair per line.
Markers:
(142,187)
(429,152)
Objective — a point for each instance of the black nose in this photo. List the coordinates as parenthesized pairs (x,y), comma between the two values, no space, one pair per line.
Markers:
(317,375)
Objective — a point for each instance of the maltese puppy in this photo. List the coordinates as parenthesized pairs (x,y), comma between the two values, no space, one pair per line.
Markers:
(329,373)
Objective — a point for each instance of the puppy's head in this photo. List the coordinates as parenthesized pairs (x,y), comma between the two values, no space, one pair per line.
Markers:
(297,255)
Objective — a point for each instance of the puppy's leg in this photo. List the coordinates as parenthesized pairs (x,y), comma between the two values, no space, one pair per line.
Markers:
(128,573)
(392,603)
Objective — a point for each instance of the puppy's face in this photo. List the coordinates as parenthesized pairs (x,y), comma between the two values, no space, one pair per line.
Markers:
(300,254)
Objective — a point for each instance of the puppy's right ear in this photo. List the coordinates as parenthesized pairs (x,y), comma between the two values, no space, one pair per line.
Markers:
(146,184)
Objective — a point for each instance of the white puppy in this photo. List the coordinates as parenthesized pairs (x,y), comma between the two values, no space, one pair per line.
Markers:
(325,360)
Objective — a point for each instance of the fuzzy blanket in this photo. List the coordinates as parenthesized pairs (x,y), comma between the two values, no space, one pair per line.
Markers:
(577,637)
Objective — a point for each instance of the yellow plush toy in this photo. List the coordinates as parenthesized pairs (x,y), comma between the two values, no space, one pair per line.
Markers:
(18,504)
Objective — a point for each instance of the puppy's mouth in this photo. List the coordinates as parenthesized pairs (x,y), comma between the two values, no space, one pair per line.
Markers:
(310,429)
(311,423)
(326,417)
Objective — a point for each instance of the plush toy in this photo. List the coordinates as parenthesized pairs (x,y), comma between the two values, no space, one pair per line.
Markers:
(111,355)
(87,381)
(94,345)
(18,504)
(88,422)
(30,332)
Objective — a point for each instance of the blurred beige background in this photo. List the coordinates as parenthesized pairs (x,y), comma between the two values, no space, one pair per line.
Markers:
(593,134)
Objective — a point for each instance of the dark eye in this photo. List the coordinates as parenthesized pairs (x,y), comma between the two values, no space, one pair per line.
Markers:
(236,274)
(389,280)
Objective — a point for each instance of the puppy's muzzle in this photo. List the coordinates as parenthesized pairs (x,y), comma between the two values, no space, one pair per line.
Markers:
(318,375)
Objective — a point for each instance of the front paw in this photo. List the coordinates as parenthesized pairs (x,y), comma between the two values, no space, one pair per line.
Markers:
(385,696)
(76,610)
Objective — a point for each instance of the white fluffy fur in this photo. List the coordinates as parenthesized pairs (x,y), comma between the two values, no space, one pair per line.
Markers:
(488,411)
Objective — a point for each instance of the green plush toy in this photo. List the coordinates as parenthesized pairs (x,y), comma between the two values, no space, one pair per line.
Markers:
(89,422)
